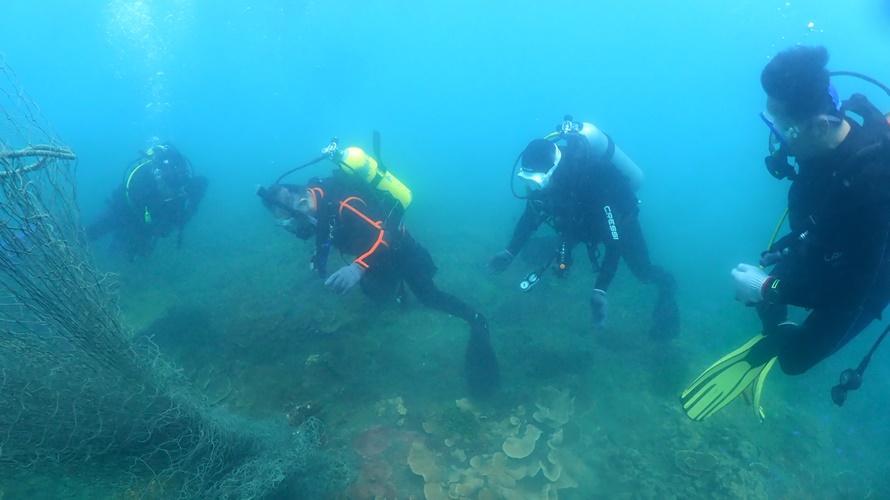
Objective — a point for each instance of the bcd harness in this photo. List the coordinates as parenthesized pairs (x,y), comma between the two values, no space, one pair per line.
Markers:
(159,158)
(332,212)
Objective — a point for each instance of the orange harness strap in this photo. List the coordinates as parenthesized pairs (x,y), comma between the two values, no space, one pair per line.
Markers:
(317,193)
(377,225)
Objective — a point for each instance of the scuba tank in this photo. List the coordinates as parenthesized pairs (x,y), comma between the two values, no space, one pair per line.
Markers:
(599,144)
(354,161)
(358,164)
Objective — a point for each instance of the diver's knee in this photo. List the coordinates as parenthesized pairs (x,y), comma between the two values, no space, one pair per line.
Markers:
(794,357)
(662,279)
(795,364)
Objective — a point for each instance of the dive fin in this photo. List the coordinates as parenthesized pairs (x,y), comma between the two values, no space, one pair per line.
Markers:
(726,379)
(758,389)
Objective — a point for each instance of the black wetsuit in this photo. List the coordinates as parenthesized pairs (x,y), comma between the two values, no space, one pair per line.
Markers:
(590,201)
(836,257)
(146,208)
(359,221)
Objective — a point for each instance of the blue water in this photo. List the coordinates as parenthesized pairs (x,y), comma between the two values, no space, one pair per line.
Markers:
(248,89)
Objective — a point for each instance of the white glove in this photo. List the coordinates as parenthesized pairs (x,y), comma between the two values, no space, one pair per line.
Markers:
(345,278)
(749,283)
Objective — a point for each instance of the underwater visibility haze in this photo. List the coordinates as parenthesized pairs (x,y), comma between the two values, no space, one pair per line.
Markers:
(218,365)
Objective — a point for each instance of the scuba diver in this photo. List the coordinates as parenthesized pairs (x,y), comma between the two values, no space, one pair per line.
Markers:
(834,261)
(586,190)
(159,195)
(358,210)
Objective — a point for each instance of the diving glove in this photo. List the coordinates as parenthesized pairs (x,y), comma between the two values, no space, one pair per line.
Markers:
(483,372)
(598,305)
(500,262)
(345,278)
(749,283)
(665,317)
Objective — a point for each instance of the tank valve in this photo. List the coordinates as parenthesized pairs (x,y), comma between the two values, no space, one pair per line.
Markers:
(331,149)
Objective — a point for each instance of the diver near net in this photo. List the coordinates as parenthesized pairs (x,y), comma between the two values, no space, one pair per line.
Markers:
(358,211)
(159,196)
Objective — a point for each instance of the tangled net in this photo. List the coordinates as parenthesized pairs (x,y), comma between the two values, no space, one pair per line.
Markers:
(76,387)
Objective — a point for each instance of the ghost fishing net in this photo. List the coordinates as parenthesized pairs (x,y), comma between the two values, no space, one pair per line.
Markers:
(78,391)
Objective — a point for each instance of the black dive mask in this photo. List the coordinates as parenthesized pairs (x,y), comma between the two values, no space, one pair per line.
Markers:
(777,163)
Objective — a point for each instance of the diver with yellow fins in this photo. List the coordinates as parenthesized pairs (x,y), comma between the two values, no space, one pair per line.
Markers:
(358,210)
(835,261)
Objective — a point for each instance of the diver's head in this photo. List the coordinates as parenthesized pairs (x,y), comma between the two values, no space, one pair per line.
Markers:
(169,168)
(539,160)
(293,206)
(802,106)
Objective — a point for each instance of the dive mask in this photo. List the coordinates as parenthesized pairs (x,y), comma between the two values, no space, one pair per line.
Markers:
(779,138)
(782,134)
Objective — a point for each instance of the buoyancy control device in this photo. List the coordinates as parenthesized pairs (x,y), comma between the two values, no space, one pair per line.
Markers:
(600,145)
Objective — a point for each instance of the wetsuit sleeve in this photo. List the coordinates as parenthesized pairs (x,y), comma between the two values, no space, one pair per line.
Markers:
(525,228)
(843,279)
(843,256)
(618,227)
(362,234)
(609,266)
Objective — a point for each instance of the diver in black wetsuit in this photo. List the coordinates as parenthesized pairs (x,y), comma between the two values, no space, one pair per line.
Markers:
(588,199)
(159,195)
(344,213)
(835,259)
